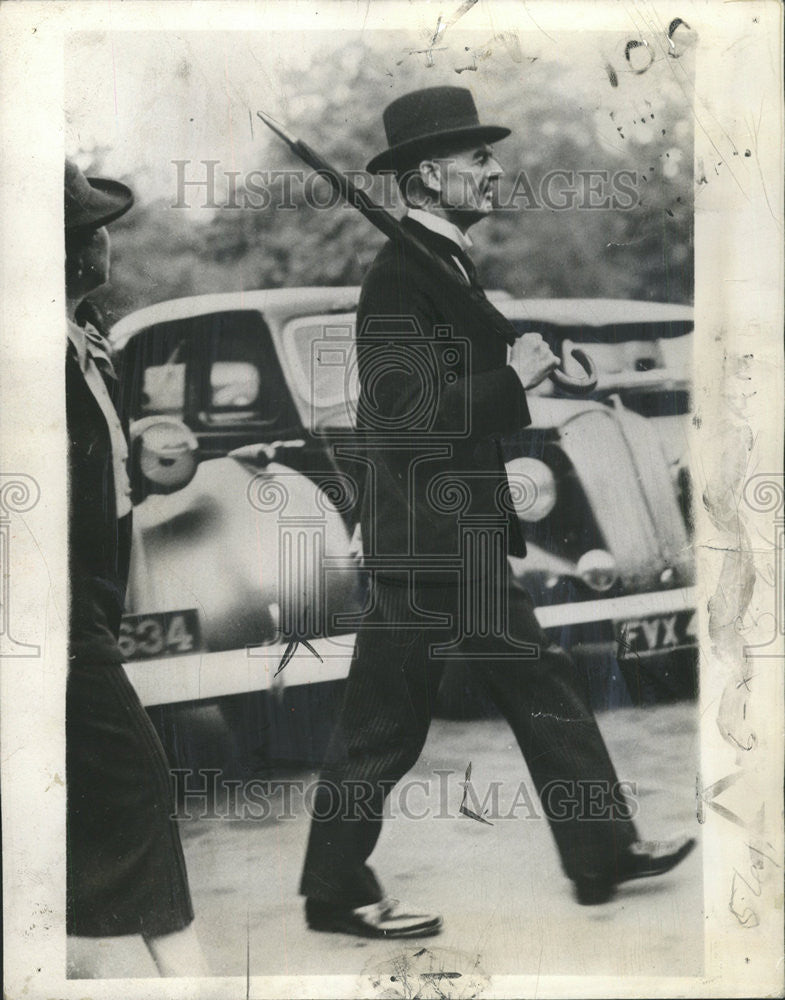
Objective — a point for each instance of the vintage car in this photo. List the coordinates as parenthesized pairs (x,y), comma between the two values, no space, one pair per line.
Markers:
(246,554)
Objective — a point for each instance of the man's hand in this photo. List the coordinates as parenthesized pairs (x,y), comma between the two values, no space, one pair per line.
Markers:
(532,359)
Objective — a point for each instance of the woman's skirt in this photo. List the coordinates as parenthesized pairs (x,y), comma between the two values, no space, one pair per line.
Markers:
(125,870)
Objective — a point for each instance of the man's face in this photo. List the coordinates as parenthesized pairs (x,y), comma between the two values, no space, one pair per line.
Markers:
(466,181)
(95,258)
(87,262)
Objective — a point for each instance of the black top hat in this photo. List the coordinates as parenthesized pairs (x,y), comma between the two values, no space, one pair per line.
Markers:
(92,202)
(414,122)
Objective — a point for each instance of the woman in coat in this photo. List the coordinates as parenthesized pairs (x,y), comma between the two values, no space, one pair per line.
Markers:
(125,871)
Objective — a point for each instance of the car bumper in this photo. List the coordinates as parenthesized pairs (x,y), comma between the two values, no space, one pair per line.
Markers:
(631,606)
(588,629)
(628,647)
(206,676)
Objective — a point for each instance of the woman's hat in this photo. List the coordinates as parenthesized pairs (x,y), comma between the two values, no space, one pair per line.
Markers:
(92,202)
(415,121)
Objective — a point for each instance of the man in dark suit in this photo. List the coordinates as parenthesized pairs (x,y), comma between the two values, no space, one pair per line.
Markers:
(439,388)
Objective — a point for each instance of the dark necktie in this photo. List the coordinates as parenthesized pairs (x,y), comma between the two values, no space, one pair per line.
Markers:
(467,264)
(451,253)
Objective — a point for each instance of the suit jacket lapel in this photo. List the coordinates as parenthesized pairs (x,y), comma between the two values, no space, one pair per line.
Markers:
(450,252)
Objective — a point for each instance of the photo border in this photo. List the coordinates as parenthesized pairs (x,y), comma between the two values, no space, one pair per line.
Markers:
(737,444)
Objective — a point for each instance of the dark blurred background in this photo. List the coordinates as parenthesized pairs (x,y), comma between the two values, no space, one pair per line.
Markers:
(584,106)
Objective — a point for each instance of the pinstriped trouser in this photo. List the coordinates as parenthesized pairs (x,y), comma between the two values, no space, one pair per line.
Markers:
(384,722)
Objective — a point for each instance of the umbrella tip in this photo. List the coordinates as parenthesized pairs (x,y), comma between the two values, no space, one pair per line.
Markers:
(279,130)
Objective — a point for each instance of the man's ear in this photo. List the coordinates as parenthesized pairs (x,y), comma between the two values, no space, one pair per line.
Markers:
(431,175)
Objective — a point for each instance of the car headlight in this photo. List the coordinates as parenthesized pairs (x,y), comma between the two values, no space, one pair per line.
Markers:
(165,452)
(532,488)
(597,569)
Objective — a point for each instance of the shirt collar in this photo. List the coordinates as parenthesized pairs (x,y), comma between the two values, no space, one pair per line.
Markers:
(77,337)
(441,226)
(89,344)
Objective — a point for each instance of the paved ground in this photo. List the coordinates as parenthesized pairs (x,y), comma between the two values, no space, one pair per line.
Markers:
(499,888)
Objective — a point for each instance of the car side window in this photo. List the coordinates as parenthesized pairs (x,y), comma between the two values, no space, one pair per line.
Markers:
(154,371)
(234,384)
(233,362)
(163,389)
(214,369)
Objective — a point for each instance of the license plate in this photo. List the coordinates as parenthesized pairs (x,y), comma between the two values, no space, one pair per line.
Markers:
(653,634)
(166,633)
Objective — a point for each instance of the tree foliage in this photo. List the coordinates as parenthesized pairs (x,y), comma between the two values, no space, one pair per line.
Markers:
(641,250)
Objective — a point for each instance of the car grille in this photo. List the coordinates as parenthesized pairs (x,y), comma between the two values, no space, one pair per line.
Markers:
(624,475)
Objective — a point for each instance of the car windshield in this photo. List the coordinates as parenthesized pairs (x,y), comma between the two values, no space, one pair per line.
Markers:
(320,353)
(650,357)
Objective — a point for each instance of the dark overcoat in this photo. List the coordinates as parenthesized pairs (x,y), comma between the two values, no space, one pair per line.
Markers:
(125,871)
(99,543)
(436,394)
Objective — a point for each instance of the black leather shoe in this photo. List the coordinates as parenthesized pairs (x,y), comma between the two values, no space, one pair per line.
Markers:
(642,859)
(590,890)
(386,919)
(646,858)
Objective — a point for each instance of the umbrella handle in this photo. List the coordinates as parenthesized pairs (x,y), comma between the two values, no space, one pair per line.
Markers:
(577,386)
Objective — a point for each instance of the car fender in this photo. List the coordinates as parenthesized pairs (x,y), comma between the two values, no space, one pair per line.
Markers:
(258,554)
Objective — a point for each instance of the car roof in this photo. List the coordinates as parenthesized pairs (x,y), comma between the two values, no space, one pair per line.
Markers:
(275,303)
(596,312)
(280,304)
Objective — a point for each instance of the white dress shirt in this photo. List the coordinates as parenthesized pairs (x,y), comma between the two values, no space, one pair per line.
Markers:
(444,228)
